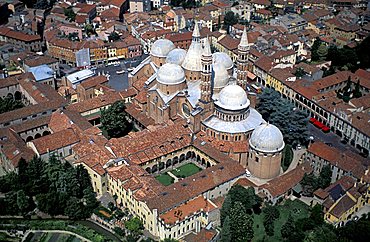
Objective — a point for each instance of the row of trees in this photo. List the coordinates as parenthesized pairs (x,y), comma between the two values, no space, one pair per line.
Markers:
(291,121)
(8,104)
(53,187)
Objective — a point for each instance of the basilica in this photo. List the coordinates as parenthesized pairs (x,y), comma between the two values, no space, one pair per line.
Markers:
(209,92)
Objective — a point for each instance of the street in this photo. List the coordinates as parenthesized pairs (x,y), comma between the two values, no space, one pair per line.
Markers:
(329,138)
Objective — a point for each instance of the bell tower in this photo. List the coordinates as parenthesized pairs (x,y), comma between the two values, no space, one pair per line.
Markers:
(206,74)
(242,62)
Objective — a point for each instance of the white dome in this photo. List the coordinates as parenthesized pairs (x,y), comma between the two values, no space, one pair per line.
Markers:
(223,58)
(162,47)
(233,97)
(176,56)
(221,77)
(170,74)
(193,58)
(267,138)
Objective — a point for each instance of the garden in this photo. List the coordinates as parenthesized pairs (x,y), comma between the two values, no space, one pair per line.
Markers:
(290,209)
(180,172)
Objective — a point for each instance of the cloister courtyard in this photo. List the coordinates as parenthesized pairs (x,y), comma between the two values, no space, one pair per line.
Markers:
(171,176)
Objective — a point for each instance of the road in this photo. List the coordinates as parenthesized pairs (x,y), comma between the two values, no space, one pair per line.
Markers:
(329,138)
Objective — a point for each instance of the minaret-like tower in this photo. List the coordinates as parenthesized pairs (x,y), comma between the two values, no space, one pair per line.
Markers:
(206,74)
(242,62)
(196,33)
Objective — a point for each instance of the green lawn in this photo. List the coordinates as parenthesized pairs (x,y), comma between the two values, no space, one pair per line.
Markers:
(165,179)
(296,208)
(186,170)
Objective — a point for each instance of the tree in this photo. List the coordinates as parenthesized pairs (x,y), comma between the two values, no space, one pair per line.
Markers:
(299,72)
(230,19)
(291,121)
(324,177)
(357,93)
(288,228)
(322,52)
(89,30)
(22,202)
(238,193)
(114,36)
(314,48)
(134,225)
(70,14)
(287,156)
(242,223)
(75,209)
(114,121)
(9,104)
(226,231)
(271,214)
(321,234)
(119,231)
(317,215)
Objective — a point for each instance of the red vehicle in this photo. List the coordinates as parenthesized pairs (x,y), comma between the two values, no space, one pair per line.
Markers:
(325,129)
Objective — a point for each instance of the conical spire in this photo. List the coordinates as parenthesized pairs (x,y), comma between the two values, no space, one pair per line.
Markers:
(207,48)
(244,39)
(196,32)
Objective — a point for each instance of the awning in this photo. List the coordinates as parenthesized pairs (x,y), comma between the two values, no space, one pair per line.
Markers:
(312,120)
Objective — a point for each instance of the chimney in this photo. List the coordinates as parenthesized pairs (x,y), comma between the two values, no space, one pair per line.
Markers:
(253,99)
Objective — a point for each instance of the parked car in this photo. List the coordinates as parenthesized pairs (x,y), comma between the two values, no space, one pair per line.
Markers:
(120,72)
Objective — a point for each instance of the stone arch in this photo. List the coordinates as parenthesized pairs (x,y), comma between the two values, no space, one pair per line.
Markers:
(208,164)
(154,168)
(168,163)
(29,138)
(18,96)
(10,96)
(188,155)
(182,158)
(175,160)
(198,158)
(203,161)
(193,154)
(148,170)
(38,135)
(45,133)
(161,166)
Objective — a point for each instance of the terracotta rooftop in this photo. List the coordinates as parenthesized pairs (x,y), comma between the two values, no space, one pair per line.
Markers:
(55,141)
(188,209)
(93,82)
(285,182)
(144,146)
(229,42)
(100,101)
(5,31)
(345,160)
(203,235)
